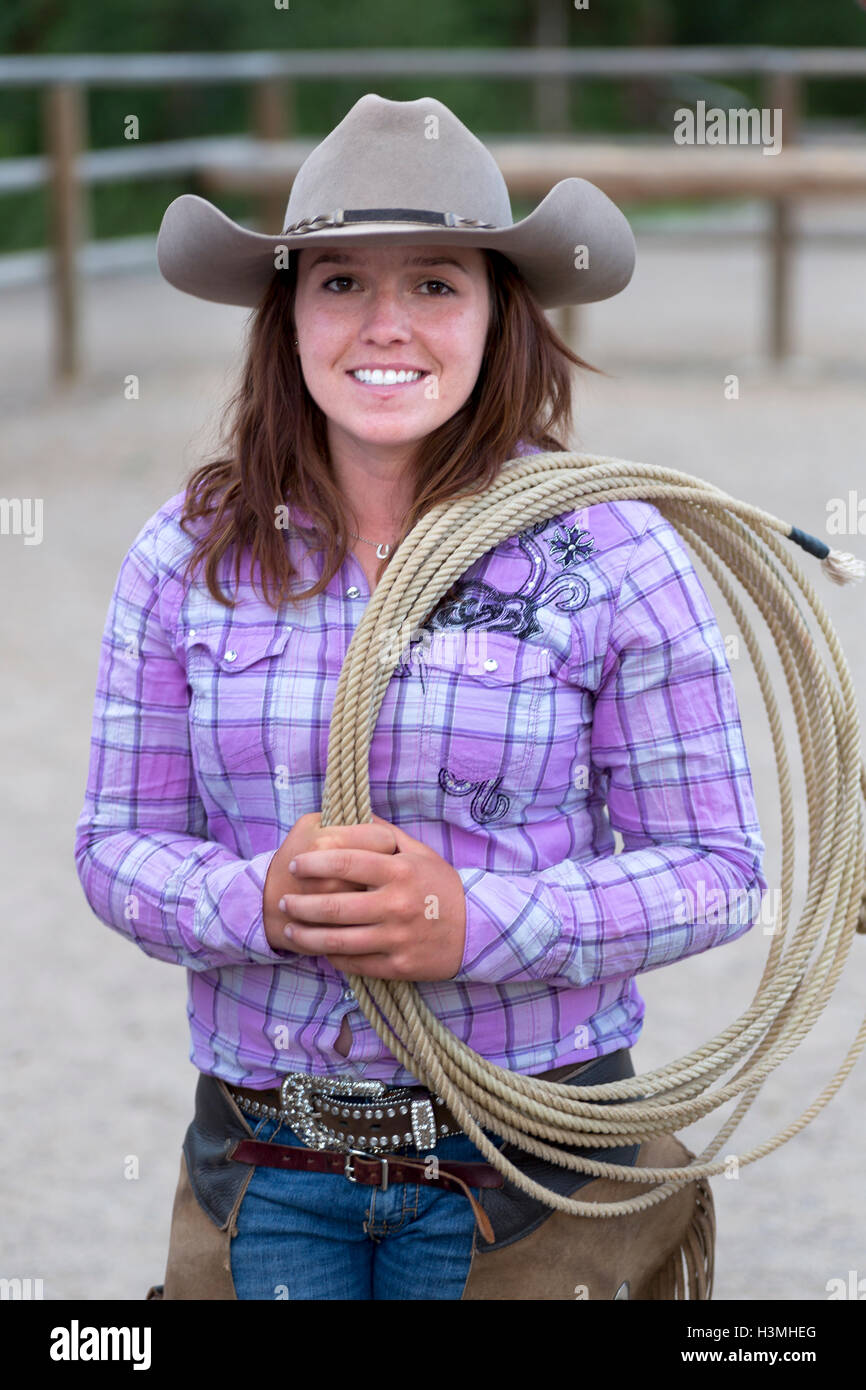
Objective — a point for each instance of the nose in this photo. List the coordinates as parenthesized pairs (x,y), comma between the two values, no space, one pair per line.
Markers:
(386,320)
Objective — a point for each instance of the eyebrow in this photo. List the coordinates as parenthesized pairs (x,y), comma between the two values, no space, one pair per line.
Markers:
(338,258)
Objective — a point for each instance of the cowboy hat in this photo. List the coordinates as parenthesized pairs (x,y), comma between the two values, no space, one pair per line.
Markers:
(407,172)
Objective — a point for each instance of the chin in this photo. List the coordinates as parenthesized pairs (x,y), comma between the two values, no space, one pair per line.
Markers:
(393,432)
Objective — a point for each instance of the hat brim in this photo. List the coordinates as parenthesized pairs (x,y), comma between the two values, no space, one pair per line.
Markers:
(576,247)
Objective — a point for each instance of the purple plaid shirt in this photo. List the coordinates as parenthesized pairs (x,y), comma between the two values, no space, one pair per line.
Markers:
(576,684)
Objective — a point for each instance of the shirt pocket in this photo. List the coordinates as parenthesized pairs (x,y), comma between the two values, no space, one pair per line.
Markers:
(480,716)
(235,695)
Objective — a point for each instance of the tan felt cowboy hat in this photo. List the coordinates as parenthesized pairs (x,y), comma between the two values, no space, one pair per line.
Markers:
(408,172)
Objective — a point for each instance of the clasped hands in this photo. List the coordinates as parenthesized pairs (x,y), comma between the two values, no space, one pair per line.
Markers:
(369,897)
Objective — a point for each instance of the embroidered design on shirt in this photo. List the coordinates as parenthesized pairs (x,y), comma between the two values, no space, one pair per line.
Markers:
(488,802)
(572,546)
(476,604)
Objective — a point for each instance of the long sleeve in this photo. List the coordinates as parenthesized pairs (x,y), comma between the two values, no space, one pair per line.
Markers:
(142,857)
(669,757)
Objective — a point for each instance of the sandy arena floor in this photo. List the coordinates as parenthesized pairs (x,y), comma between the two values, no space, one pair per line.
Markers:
(94,1032)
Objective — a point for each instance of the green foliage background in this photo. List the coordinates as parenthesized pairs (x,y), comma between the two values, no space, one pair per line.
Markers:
(487,106)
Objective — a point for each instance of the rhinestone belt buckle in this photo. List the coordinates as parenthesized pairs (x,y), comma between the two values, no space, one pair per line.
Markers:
(296,1094)
(423,1124)
(296,1098)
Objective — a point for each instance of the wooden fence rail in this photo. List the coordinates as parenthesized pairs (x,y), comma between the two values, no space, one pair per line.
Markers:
(265,163)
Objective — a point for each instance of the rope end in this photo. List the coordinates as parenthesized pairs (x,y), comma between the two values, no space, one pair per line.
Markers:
(843,568)
(838,565)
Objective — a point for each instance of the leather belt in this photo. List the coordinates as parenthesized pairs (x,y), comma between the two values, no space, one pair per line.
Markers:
(293,1099)
(391,1119)
(376,1172)
(344,1114)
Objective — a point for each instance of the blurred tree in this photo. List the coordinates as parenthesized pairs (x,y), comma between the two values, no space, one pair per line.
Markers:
(654,27)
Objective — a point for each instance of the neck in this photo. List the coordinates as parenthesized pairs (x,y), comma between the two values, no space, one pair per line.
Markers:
(376,486)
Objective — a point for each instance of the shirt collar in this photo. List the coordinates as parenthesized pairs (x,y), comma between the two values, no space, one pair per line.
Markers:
(301,517)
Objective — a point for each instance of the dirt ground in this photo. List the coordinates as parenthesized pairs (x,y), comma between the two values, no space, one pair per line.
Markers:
(95,1045)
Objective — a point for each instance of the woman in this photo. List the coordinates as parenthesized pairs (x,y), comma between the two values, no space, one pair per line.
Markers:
(400,356)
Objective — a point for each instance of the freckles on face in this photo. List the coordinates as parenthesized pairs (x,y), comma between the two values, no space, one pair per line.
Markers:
(391,339)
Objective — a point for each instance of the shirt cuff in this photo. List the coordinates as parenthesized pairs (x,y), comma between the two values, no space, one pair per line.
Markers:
(228,913)
(512,926)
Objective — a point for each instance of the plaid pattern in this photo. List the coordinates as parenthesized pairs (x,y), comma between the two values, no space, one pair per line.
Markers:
(580,667)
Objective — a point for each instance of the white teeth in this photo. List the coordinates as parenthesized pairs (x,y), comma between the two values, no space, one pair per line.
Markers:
(377,377)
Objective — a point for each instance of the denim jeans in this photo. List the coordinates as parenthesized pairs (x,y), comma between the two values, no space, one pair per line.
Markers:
(320,1236)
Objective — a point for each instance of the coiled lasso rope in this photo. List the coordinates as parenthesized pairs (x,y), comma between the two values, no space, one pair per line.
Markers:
(792,992)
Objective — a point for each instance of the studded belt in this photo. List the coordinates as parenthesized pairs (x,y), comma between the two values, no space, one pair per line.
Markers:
(343,1113)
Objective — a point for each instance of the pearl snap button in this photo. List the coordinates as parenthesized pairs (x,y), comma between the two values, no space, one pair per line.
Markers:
(353,591)
(348,994)
(490,664)
(192,632)
(231,655)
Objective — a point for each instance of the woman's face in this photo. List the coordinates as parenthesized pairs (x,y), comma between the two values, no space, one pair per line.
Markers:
(421,311)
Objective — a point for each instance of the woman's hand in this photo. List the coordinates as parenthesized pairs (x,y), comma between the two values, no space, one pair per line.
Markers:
(408,922)
(308,834)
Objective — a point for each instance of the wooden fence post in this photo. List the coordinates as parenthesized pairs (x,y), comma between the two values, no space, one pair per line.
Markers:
(64,126)
(273,119)
(782,92)
(550,94)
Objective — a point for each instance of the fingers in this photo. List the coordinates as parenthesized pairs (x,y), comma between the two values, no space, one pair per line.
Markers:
(360,866)
(305,886)
(328,941)
(332,909)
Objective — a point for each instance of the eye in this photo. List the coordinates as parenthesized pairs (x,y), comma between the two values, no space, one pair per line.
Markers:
(442,290)
(444,286)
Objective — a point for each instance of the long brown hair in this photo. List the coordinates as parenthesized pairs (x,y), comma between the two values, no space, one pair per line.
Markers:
(277,449)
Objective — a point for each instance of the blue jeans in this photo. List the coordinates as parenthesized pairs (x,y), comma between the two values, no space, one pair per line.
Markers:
(320,1236)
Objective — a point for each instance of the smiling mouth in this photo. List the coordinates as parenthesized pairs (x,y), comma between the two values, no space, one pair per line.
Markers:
(386,377)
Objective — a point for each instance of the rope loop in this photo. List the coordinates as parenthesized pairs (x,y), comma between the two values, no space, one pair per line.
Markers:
(725,533)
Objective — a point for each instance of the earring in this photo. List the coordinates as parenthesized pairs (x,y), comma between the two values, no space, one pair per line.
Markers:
(296,342)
